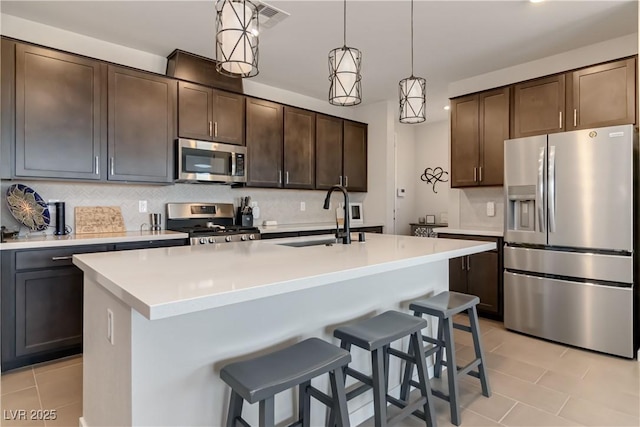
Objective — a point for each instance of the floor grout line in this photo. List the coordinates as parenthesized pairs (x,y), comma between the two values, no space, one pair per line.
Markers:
(541,375)
(508,412)
(563,405)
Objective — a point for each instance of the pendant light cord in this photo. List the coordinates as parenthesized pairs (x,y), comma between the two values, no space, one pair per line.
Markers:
(345,23)
(411,38)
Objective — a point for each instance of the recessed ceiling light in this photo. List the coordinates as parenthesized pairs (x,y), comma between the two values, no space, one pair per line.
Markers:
(446,107)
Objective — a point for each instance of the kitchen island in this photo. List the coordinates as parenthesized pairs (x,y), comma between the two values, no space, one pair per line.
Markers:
(160,323)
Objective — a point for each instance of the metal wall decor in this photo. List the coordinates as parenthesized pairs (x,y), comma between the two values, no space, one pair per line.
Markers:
(412,92)
(345,72)
(434,176)
(237,38)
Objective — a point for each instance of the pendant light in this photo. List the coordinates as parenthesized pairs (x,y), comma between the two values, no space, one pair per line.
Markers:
(412,92)
(237,38)
(344,72)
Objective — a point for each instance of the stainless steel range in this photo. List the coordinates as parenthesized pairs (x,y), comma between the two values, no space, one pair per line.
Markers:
(208,223)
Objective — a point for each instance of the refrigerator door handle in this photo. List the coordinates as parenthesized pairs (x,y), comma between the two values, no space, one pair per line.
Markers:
(540,189)
(551,179)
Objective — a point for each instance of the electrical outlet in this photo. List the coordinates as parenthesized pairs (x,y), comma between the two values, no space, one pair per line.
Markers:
(491,209)
(142,206)
(110,326)
(303,206)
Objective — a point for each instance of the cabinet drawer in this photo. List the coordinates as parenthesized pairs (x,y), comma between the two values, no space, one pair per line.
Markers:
(56,257)
(472,237)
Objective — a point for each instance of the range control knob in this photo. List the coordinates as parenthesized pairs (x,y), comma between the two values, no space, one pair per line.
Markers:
(212,240)
(227,239)
(243,237)
(252,237)
(203,240)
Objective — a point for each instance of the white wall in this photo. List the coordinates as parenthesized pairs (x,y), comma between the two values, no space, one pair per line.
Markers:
(405,178)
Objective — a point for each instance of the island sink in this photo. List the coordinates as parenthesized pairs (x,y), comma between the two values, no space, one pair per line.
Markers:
(304,243)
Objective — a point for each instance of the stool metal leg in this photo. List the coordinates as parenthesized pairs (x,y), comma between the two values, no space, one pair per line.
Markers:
(405,387)
(425,387)
(267,413)
(437,369)
(235,409)
(340,412)
(452,371)
(477,344)
(379,395)
(304,404)
(386,368)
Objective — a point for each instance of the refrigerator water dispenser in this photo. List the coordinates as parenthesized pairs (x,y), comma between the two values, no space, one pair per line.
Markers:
(521,208)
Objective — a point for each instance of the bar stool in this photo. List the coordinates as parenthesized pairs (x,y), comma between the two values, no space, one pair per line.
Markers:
(376,335)
(261,378)
(444,306)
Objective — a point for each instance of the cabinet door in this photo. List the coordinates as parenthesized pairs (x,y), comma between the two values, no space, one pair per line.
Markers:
(264,143)
(7,108)
(494,129)
(141,126)
(328,151)
(58,114)
(299,148)
(603,95)
(48,310)
(355,156)
(458,275)
(464,141)
(195,111)
(228,117)
(483,280)
(538,106)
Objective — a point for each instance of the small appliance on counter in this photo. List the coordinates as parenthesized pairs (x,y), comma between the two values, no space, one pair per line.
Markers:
(208,223)
(61,227)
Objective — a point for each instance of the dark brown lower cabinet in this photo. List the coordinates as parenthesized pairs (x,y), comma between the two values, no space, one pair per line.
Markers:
(479,274)
(41,296)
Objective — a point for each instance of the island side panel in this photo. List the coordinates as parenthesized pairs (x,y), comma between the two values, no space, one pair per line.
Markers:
(106,393)
(176,361)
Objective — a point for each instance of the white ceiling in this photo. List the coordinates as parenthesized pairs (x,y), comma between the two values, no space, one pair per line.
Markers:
(454,40)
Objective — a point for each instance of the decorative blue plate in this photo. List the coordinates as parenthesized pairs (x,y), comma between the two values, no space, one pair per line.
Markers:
(27,207)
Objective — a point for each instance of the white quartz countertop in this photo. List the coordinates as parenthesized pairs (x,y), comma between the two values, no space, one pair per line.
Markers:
(492,232)
(166,282)
(286,228)
(44,241)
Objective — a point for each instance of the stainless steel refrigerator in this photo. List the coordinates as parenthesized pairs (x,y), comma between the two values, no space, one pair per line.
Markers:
(569,238)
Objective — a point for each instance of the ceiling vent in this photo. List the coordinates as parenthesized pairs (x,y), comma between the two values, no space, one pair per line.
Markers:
(268,15)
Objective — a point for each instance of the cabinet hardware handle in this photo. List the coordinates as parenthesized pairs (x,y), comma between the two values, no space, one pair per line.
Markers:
(215,129)
(468,263)
(462,259)
(112,167)
(97,166)
(280,176)
(346,181)
(61,258)
(560,120)
(475,174)
(575,117)
(480,174)
(210,128)
(340,179)
(286,177)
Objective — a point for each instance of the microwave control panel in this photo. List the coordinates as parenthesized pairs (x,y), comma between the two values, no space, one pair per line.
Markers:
(239,164)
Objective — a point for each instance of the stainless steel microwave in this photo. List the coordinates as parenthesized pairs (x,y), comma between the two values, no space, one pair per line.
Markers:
(203,161)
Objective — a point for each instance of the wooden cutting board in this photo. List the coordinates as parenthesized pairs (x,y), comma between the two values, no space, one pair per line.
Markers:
(98,219)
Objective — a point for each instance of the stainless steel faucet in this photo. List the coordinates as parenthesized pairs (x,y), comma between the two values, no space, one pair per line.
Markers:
(346,236)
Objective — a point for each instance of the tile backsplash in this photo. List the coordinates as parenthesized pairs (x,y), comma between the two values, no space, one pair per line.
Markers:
(473,207)
(280,205)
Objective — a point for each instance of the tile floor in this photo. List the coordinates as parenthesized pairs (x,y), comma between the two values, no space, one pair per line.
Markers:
(534,383)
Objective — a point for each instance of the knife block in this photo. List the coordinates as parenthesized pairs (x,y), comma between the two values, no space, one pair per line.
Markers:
(245,220)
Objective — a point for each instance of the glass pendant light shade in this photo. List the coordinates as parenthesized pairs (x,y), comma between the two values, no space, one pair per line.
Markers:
(412,92)
(412,100)
(345,77)
(237,38)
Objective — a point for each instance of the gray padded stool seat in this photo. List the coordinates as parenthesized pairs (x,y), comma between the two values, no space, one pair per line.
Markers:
(376,335)
(261,378)
(444,306)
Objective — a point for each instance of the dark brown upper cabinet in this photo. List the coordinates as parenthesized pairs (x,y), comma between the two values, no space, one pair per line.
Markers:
(479,126)
(328,151)
(355,156)
(210,115)
(141,131)
(539,106)
(299,148)
(603,95)
(264,143)
(59,114)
